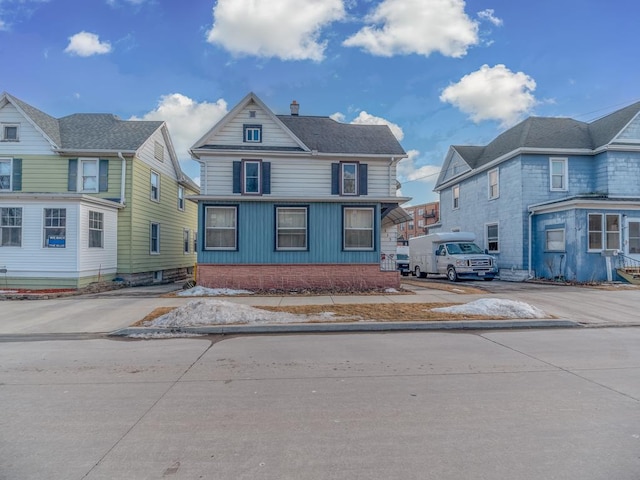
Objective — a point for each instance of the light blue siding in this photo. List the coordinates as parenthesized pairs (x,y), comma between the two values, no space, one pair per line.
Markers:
(256,236)
(618,173)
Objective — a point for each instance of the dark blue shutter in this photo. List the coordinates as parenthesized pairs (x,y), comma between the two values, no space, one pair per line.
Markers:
(266,178)
(103,183)
(72,185)
(362,179)
(17,175)
(237,168)
(335,179)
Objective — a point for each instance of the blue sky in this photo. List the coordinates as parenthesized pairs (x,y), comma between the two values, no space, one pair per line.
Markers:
(439,72)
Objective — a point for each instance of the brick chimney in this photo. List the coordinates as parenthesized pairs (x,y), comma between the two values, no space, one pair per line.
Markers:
(295,108)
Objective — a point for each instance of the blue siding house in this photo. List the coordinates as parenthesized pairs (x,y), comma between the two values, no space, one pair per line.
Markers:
(296,202)
(551,197)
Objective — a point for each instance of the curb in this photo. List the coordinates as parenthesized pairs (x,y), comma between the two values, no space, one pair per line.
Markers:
(350,327)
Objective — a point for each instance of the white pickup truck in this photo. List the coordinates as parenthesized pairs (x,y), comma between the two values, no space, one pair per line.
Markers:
(452,254)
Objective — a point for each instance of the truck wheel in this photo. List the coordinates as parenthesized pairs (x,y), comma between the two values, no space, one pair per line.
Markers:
(488,279)
(418,273)
(452,275)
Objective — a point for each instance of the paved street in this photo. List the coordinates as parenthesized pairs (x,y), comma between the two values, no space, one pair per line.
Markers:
(534,404)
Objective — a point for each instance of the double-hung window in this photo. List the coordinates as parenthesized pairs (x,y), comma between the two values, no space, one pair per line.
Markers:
(554,240)
(55,227)
(10,227)
(492,239)
(96,229)
(155,186)
(220,228)
(252,133)
(455,192)
(251,178)
(291,226)
(185,240)
(10,133)
(88,175)
(154,239)
(558,174)
(180,198)
(494,188)
(604,231)
(5,174)
(358,228)
(349,178)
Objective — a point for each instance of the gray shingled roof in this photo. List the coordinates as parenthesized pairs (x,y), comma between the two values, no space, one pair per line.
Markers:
(550,132)
(328,136)
(91,131)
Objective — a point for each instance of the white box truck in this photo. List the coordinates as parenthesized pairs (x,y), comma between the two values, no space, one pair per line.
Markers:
(402,260)
(452,254)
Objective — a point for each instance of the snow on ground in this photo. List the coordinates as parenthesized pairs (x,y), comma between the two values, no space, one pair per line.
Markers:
(211,292)
(495,307)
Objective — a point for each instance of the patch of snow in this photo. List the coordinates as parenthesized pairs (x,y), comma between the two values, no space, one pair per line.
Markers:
(156,335)
(8,291)
(199,291)
(390,290)
(495,307)
(219,312)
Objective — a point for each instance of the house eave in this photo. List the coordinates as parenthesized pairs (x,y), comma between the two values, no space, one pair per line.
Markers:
(282,199)
(597,202)
(198,153)
(61,197)
(85,151)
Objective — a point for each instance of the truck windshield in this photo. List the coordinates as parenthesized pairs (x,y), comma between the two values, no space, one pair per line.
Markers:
(402,256)
(460,248)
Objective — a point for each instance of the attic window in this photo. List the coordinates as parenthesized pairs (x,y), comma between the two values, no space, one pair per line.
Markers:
(10,133)
(252,114)
(252,133)
(158,151)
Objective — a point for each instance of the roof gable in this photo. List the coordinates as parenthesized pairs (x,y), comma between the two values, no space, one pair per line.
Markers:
(45,124)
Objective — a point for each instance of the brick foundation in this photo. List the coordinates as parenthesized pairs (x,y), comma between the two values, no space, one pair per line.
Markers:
(297,277)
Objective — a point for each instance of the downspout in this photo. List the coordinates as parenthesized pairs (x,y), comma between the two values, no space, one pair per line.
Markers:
(530,243)
(122,178)
(392,181)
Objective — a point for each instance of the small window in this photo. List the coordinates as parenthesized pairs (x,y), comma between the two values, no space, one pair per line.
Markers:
(559,173)
(494,189)
(349,178)
(96,229)
(493,244)
(10,133)
(55,227)
(185,240)
(252,114)
(220,228)
(612,232)
(358,228)
(554,241)
(11,227)
(180,198)
(157,276)
(291,226)
(158,151)
(154,239)
(88,175)
(595,231)
(251,178)
(456,196)
(195,241)
(155,186)
(5,174)
(253,133)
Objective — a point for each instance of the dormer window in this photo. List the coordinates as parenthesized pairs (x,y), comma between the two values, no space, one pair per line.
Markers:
(10,133)
(253,133)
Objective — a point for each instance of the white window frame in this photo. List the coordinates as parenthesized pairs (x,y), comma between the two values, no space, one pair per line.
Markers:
(347,247)
(252,133)
(181,198)
(54,222)
(154,242)
(554,245)
(245,177)
(343,179)
(564,175)
(186,240)
(233,227)
(606,243)
(96,224)
(488,240)
(154,193)
(7,161)
(494,186)
(284,230)
(10,222)
(455,197)
(81,174)
(5,127)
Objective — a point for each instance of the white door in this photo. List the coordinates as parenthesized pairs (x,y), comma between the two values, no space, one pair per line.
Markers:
(632,240)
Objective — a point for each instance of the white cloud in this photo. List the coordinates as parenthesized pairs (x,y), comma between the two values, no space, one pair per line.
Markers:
(186,119)
(489,16)
(417,26)
(85,44)
(3,26)
(493,93)
(286,29)
(365,118)
(338,117)
(408,171)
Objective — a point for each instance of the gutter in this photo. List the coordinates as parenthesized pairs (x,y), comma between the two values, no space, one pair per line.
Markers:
(531,214)
(122,178)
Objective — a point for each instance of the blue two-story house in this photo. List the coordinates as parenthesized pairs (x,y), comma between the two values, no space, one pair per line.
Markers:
(296,202)
(551,197)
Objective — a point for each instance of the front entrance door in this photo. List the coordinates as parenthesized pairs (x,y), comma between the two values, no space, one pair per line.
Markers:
(632,242)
